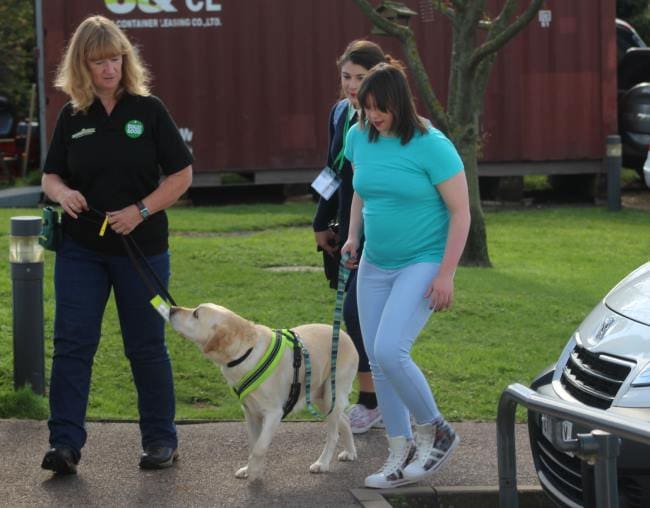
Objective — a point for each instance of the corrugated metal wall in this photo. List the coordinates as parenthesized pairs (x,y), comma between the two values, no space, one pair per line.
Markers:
(550,96)
(255,91)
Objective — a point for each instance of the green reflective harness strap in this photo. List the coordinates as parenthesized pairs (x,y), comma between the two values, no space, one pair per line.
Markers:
(263,369)
(344,272)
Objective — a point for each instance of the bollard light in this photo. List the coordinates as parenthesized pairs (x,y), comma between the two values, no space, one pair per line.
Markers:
(26,258)
(23,242)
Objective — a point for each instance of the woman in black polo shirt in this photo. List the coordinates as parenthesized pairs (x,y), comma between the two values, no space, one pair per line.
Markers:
(110,145)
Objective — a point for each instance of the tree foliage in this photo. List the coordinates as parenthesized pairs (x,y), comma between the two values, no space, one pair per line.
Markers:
(637,13)
(628,9)
(17,52)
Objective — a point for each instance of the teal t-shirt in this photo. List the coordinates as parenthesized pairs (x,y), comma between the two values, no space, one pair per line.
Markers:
(405,219)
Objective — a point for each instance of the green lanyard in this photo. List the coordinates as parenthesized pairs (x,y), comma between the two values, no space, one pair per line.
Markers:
(341,156)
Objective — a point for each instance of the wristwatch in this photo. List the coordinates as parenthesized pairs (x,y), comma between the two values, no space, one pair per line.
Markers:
(144,211)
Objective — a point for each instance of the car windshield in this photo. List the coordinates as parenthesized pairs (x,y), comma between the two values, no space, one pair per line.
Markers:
(626,38)
(6,124)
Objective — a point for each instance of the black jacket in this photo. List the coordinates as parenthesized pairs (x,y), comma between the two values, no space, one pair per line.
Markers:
(337,207)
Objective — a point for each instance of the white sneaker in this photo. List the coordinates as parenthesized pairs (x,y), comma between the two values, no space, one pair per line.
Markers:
(434,443)
(363,419)
(401,452)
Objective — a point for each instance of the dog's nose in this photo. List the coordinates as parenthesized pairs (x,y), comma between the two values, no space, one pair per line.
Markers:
(172,311)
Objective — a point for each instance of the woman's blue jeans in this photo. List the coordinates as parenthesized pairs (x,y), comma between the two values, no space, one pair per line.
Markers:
(83,281)
(393,311)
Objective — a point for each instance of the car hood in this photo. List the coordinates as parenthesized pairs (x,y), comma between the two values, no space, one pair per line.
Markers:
(631,296)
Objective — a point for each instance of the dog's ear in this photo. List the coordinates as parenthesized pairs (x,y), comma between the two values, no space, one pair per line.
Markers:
(217,339)
(230,332)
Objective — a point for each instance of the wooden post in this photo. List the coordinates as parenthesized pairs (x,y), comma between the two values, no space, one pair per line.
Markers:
(32,102)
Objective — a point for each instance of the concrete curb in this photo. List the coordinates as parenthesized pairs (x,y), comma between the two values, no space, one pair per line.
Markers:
(447,497)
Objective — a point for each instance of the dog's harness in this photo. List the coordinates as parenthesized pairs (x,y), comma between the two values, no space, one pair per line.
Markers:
(294,391)
(283,338)
(266,365)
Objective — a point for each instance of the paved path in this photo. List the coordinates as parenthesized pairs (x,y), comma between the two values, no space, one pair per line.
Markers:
(210,454)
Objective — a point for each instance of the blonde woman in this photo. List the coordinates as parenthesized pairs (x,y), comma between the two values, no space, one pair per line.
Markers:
(112,143)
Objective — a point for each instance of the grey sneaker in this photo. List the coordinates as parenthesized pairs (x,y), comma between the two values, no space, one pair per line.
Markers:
(363,419)
(434,443)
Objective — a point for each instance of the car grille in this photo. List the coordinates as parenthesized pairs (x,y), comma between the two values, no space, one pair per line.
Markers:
(565,473)
(561,470)
(635,493)
(593,379)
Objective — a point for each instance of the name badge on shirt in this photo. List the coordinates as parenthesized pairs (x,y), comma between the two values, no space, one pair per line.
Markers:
(83,132)
(326,183)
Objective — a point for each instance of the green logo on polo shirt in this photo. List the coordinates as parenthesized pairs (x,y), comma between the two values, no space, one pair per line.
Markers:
(134,129)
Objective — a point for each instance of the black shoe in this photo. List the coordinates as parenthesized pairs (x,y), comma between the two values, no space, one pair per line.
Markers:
(61,460)
(158,457)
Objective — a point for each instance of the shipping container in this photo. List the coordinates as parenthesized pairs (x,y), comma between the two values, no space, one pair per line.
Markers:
(250,82)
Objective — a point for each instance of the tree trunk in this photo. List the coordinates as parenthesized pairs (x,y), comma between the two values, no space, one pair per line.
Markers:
(476,250)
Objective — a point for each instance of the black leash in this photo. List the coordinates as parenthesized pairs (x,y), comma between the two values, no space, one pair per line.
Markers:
(143,276)
(156,300)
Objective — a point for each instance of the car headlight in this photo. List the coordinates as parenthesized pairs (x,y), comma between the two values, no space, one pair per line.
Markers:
(643,378)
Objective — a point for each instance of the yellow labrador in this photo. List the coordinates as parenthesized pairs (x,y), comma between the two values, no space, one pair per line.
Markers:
(225,337)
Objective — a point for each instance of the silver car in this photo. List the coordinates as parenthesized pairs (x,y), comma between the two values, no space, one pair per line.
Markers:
(606,365)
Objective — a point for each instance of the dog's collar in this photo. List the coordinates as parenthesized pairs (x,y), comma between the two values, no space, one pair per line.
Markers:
(236,362)
(266,365)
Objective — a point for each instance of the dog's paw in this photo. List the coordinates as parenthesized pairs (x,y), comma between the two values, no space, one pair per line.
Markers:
(346,456)
(255,471)
(318,467)
(242,473)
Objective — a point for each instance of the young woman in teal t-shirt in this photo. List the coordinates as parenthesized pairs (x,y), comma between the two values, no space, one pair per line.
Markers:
(412,204)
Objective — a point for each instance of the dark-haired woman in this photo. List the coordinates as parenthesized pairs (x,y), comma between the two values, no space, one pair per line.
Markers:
(411,202)
(355,62)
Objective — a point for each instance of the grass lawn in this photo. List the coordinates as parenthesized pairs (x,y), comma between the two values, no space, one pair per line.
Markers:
(551,266)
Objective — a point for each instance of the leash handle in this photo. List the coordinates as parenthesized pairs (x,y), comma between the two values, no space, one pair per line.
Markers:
(129,251)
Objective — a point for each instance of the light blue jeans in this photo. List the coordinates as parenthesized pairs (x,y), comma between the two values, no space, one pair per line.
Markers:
(392,312)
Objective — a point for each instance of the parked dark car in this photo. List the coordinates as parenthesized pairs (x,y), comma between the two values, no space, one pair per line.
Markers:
(633,95)
(605,365)
(7,118)
(13,142)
